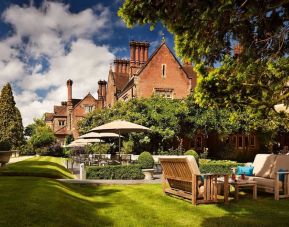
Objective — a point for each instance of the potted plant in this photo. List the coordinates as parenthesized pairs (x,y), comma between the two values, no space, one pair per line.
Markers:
(147,164)
(5,152)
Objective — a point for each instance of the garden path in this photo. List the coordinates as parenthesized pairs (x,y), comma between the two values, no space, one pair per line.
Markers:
(19,158)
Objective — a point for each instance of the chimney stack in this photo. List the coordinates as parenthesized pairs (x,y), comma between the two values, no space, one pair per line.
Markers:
(102,89)
(69,91)
(121,66)
(138,55)
(138,52)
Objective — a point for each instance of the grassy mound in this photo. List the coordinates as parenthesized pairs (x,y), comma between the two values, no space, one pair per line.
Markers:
(50,167)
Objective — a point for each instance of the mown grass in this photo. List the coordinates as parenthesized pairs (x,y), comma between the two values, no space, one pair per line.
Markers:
(42,166)
(38,201)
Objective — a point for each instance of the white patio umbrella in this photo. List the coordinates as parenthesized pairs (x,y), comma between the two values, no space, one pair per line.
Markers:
(82,142)
(119,127)
(93,135)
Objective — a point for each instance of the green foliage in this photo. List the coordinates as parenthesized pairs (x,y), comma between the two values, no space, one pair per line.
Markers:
(127,147)
(171,120)
(251,90)
(217,166)
(194,154)
(43,137)
(27,149)
(206,31)
(97,148)
(121,172)
(68,139)
(5,146)
(146,160)
(11,127)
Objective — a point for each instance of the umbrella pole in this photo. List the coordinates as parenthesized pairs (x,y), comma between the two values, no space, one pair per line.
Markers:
(119,145)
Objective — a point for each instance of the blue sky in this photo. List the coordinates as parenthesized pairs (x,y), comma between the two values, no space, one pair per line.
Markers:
(44,43)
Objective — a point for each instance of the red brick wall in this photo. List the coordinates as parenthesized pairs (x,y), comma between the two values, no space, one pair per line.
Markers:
(151,77)
(79,112)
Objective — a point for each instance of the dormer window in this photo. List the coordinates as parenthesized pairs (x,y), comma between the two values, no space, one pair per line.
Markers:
(164,70)
(61,122)
(88,109)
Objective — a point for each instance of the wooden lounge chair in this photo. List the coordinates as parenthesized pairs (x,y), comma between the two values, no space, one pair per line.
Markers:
(185,180)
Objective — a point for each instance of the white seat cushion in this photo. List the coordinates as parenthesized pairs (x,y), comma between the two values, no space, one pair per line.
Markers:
(263,164)
(281,162)
(265,182)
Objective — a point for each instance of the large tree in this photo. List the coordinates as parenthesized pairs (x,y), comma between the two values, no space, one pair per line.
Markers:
(11,127)
(206,32)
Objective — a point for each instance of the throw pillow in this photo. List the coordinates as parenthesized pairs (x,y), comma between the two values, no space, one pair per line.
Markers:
(282,175)
(247,170)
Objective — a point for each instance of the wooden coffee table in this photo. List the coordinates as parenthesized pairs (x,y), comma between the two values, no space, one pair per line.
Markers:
(244,184)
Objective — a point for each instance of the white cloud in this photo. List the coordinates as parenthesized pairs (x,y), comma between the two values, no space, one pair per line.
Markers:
(48,46)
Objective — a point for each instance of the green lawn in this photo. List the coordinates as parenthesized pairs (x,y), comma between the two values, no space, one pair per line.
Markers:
(37,201)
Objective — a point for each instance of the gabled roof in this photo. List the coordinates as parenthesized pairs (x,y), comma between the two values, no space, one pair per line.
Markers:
(60,111)
(81,100)
(48,116)
(120,80)
(75,101)
(187,69)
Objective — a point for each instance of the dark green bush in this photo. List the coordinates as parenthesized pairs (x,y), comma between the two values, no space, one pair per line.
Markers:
(27,149)
(217,166)
(125,172)
(193,153)
(146,160)
(5,146)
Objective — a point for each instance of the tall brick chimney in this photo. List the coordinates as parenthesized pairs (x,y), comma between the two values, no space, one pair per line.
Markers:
(69,106)
(121,66)
(102,89)
(69,91)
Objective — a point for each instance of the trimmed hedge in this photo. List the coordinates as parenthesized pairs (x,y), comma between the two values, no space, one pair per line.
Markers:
(217,166)
(119,172)
(146,160)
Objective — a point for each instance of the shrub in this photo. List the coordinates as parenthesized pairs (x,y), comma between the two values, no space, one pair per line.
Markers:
(55,150)
(27,149)
(127,147)
(193,153)
(5,146)
(146,160)
(217,166)
(125,172)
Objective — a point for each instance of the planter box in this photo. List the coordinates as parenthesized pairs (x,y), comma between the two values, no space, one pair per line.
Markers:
(5,157)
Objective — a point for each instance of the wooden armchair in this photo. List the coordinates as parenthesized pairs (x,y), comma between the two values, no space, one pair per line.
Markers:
(184,179)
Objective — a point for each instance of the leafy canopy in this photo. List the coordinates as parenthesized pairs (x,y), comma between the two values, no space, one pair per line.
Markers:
(206,32)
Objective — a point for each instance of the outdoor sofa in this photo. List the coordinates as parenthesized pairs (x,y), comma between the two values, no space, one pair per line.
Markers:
(271,172)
